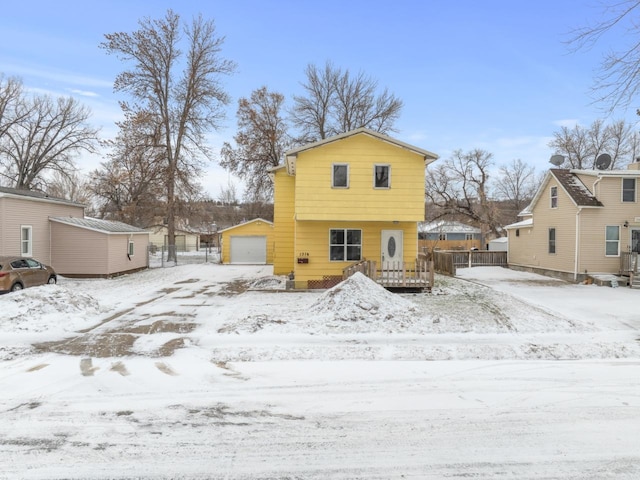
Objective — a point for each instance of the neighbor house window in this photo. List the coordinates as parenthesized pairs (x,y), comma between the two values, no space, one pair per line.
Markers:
(552,240)
(628,189)
(554,197)
(345,244)
(468,236)
(381,176)
(130,248)
(340,175)
(612,241)
(26,240)
(442,236)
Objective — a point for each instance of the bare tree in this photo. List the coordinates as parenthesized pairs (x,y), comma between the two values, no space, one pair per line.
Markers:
(45,136)
(336,102)
(129,187)
(515,187)
(459,187)
(261,141)
(71,186)
(11,96)
(618,83)
(582,146)
(180,91)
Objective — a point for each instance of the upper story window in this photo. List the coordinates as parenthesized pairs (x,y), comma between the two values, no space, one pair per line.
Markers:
(26,240)
(340,175)
(381,176)
(628,189)
(554,197)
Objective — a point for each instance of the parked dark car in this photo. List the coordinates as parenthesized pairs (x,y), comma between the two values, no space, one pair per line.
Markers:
(17,273)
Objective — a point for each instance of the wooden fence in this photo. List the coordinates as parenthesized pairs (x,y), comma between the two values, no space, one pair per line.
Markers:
(447,262)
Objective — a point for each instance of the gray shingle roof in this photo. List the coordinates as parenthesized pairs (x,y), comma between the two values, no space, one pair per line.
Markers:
(36,195)
(106,226)
(580,194)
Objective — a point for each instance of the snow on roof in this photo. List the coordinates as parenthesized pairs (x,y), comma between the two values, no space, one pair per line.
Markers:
(577,190)
(524,223)
(443,226)
(104,226)
(500,240)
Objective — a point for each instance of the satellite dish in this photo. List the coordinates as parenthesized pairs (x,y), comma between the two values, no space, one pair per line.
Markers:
(603,161)
(557,160)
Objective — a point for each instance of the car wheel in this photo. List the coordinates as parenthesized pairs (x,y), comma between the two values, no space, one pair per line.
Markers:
(16,287)
(52,281)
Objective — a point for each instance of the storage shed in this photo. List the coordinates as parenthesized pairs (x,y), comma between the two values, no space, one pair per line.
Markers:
(247,243)
(89,247)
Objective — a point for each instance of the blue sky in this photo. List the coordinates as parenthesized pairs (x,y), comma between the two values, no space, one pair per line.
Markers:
(491,74)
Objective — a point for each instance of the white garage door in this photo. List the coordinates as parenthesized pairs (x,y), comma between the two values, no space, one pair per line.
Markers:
(249,249)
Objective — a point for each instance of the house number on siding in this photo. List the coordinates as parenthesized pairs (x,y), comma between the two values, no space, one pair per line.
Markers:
(303,254)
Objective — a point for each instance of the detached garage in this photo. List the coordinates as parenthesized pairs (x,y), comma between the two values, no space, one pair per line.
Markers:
(247,243)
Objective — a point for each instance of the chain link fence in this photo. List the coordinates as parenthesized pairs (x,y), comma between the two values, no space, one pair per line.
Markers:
(171,256)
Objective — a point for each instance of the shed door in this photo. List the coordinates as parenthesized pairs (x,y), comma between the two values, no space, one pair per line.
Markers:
(249,249)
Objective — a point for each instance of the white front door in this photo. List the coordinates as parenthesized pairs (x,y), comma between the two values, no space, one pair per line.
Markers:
(391,249)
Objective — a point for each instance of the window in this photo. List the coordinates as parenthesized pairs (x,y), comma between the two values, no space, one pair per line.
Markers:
(554,197)
(628,189)
(468,236)
(26,240)
(442,236)
(340,175)
(381,176)
(517,232)
(552,240)
(345,244)
(612,241)
(130,252)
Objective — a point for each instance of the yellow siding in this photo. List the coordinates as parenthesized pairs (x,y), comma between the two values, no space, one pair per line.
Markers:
(252,228)
(315,199)
(312,242)
(284,224)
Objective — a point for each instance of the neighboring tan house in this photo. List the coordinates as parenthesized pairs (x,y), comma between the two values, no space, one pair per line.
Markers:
(344,199)
(247,243)
(579,223)
(55,232)
(186,240)
(449,235)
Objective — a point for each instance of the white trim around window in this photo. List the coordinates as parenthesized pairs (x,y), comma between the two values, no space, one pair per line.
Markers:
(131,248)
(345,244)
(612,241)
(553,193)
(340,175)
(26,240)
(629,190)
(382,176)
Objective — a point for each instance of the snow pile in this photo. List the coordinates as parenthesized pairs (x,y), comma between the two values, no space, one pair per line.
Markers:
(47,308)
(269,283)
(360,299)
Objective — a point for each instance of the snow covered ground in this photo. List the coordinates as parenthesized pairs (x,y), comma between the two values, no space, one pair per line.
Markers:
(211,371)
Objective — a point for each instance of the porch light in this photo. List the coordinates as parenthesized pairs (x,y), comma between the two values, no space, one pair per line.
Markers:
(626,224)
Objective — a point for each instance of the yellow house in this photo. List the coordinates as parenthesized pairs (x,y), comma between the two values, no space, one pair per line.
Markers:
(247,243)
(351,197)
(579,223)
